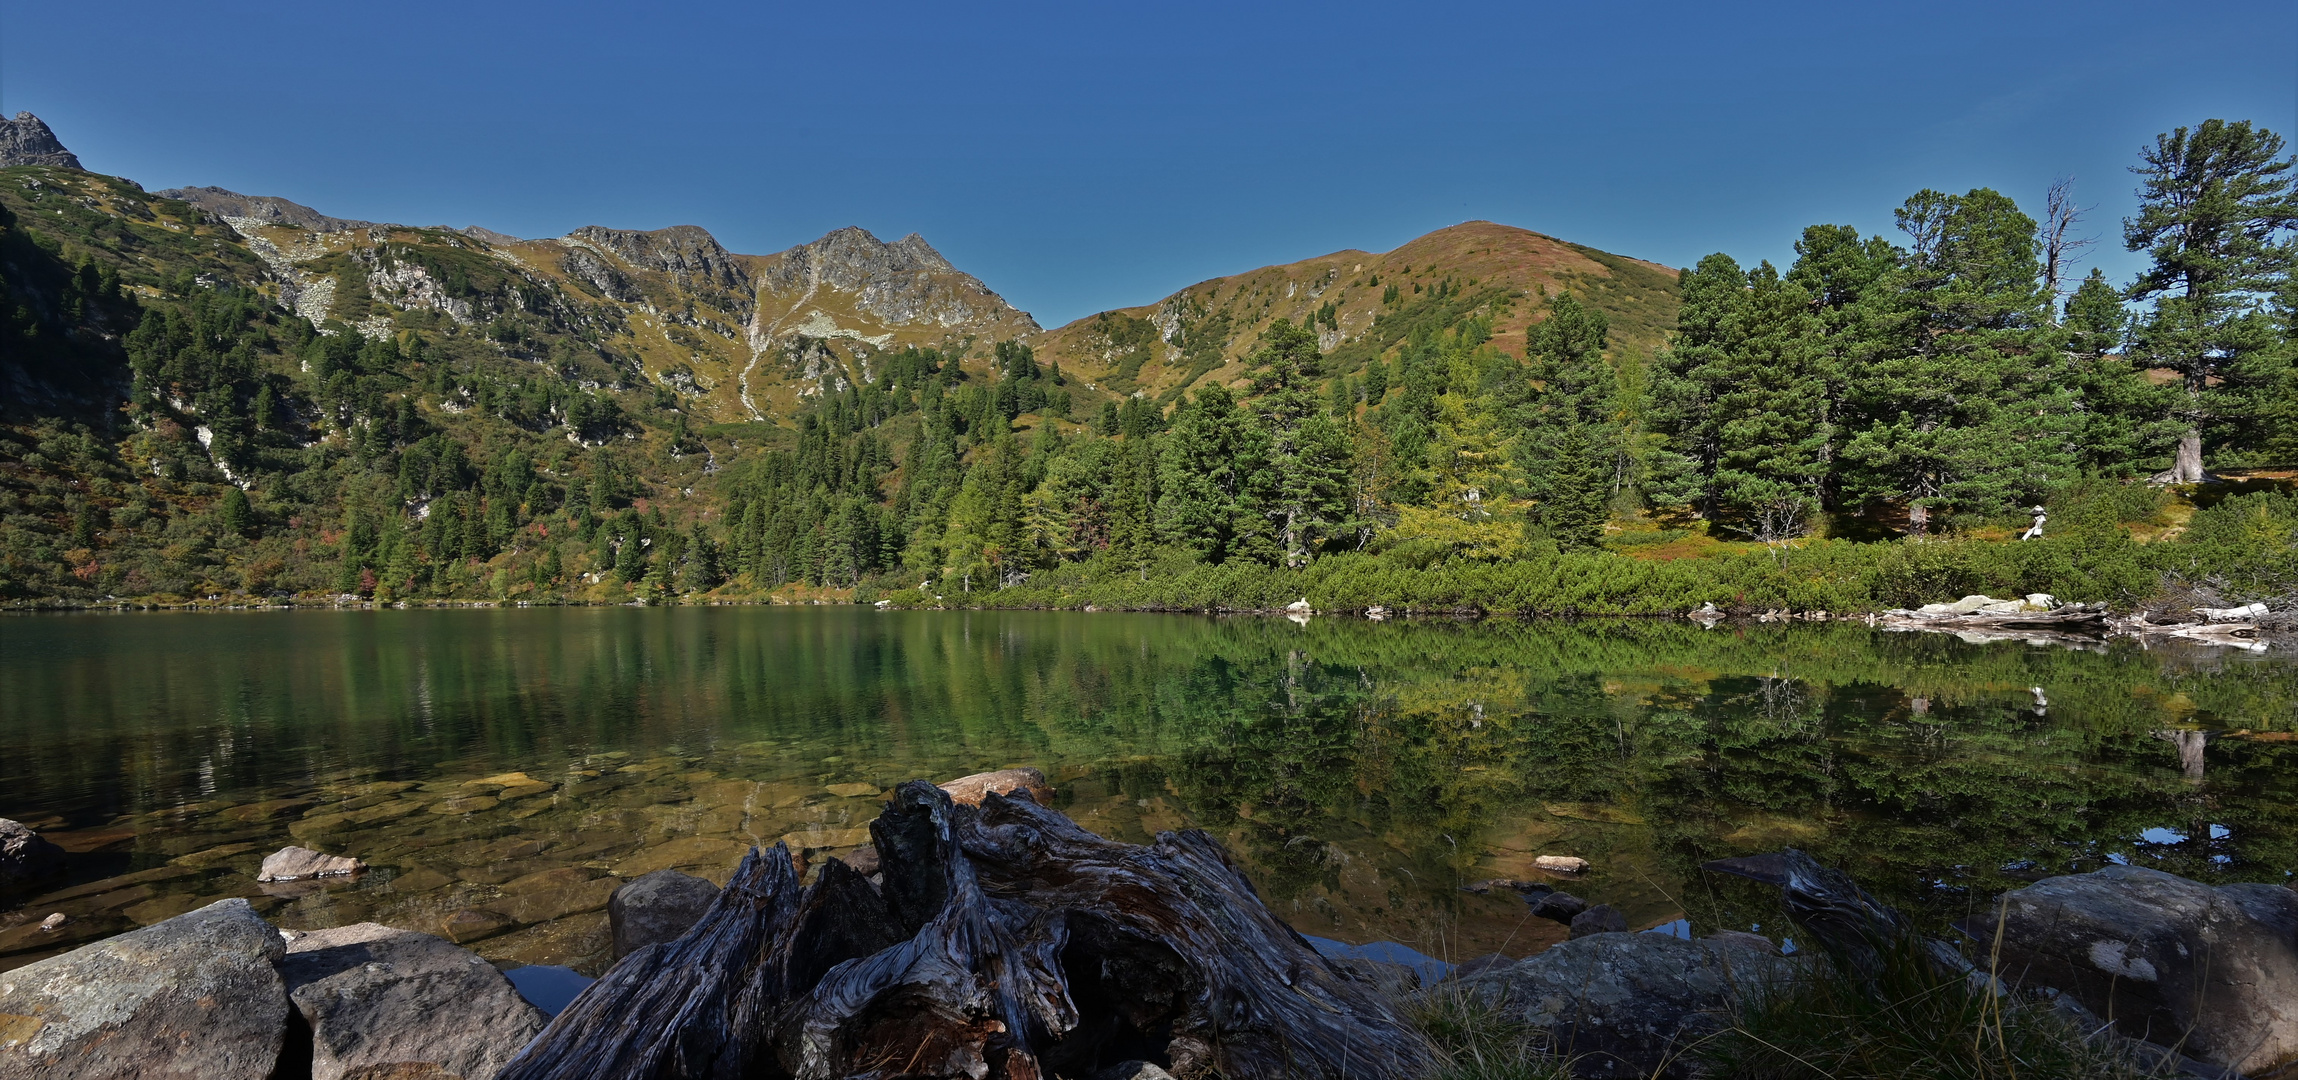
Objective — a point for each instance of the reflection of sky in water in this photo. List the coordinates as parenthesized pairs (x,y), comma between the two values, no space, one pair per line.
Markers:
(547,986)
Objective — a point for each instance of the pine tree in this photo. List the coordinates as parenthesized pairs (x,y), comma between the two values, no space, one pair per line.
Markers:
(2217,205)
(1963,402)
(1571,432)
(1213,482)
(2124,418)
(1773,443)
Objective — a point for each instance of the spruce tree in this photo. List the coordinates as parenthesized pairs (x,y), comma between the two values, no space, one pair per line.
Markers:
(2216,208)
(1214,486)
(1570,431)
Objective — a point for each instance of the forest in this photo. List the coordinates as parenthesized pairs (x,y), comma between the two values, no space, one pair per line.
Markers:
(1870,425)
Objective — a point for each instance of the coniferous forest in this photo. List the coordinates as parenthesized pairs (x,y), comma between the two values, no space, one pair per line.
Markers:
(1870,425)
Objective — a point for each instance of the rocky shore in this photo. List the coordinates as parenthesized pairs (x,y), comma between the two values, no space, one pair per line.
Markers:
(979,934)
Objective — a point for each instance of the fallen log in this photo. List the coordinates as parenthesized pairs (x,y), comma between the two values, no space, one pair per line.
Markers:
(1000,941)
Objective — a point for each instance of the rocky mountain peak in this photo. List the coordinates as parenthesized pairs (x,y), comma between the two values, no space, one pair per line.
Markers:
(26,140)
(268,209)
(687,253)
(902,283)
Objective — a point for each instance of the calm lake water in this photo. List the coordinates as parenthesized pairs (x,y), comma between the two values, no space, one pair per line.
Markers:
(502,770)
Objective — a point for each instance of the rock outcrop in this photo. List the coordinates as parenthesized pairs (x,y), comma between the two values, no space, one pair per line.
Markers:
(688,253)
(197,997)
(655,908)
(1624,1002)
(26,140)
(2213,971)
(24,856)
(263,209)
(381,1001)
(903,283)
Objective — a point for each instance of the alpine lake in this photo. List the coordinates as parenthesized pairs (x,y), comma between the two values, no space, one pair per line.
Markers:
(501,771)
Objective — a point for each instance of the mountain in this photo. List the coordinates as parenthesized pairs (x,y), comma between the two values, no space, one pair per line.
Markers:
(209,393)
(1363,304)
(26,140)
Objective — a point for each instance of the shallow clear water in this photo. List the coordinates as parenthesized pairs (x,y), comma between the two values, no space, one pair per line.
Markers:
(502,770)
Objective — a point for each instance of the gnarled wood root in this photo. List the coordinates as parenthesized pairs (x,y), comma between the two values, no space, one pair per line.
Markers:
(1003,941)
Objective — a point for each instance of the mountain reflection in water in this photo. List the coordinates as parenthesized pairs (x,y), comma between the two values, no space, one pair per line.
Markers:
(502,770)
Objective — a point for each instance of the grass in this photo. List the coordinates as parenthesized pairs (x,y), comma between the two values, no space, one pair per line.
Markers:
(1904,1019)
(1479,1040)
(1909,1021)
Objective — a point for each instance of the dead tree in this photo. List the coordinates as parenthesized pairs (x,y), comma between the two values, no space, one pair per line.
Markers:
(999,941)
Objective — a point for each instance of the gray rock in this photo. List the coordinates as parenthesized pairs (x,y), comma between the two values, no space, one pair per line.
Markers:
(1395,980)
(297,864)
(395,1000)
(1601,919)
(2213,971)
(268,209)
(24,856)
(656,908)
(1560,906)
(26,140)
(1475,966)
(1132,1070)
(196,996)
(899,284)
(688,253)
(1623,1002)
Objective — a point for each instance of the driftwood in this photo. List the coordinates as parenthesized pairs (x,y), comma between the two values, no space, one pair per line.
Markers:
(1003,941)
(2073,617)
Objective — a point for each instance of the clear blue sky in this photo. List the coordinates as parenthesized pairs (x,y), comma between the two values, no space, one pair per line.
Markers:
(1081,156)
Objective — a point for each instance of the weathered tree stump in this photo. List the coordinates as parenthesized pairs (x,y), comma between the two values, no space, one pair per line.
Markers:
(999,941)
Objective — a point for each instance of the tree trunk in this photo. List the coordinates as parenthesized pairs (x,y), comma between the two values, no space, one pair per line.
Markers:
(1918,520)
(2187,468)
(1003,941)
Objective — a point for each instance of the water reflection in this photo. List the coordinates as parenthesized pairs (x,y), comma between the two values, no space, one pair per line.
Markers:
(502,771)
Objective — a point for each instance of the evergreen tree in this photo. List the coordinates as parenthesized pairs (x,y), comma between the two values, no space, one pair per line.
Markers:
(1571,434)
(1212,479)
(2124,418)
(1963,403)
(1773,443)
(2216,205)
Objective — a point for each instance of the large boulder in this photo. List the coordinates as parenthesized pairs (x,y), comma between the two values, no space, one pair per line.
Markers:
(197,997)
(387,1001)
(655,909)
(2213,971)
(1624,1003)
(24,856)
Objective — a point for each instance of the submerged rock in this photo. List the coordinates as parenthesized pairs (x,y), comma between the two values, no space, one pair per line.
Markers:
(196,997)
(297,864)
(2213,971)
(1601,919)
(1623,1003)
(389,1002)
(656,909)
(968,790)
(24,856)
(1562,907)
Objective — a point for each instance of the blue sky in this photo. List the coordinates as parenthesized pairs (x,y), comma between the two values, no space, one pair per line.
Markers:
(1084,156)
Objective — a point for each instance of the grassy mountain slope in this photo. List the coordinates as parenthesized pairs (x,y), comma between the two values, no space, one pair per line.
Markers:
(1204,332)
(220,395)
